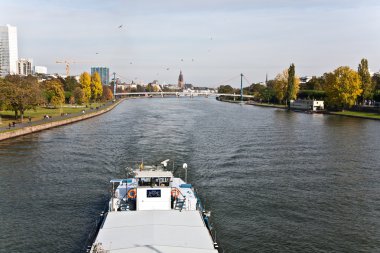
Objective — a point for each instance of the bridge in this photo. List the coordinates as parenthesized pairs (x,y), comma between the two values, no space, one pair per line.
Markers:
(180,94)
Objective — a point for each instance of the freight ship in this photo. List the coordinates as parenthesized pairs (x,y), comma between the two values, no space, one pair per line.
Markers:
(153,211)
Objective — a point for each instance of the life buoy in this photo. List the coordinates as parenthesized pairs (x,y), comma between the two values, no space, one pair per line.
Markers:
(132,193)
(175,192)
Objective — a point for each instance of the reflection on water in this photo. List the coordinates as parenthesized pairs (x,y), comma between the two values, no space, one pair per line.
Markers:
(276,181)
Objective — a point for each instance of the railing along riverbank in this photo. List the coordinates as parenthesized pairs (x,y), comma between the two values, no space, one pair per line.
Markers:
(36,126)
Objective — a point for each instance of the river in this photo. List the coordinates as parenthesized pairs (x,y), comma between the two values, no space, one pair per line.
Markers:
(275,181)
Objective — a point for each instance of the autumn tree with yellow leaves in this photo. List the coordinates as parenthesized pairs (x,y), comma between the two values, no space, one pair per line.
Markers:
(281,85)
(85,85)
(342,87)
(53,92)
(286,85)
(96,86)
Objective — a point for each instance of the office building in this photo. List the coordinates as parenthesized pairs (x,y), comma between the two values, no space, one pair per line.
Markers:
(104,74)
(24,67)
(40,70)
(8,50)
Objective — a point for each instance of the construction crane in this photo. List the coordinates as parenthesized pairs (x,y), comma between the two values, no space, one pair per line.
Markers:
(67,63)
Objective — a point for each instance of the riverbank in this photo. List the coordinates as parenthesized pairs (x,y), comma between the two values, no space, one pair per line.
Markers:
(352,114)
(266,105)
(28,128)
(39,113)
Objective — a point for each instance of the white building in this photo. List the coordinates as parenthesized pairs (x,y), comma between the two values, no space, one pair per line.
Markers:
(40,70)
(8,50)
(24,67)
(307,105)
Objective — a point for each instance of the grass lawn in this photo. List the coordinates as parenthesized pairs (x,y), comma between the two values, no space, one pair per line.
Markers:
(7,117)
(359,114)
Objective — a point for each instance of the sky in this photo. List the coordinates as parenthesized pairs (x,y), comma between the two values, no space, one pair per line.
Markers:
(211,41)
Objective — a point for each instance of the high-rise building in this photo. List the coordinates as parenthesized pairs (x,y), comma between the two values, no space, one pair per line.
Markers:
(104,74)
(8,50)
(24,67)
(181,83)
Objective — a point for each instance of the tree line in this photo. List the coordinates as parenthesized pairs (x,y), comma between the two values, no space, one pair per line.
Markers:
(341,88)
(21,93)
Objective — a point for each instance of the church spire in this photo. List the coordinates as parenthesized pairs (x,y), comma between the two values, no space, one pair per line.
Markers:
(181,83)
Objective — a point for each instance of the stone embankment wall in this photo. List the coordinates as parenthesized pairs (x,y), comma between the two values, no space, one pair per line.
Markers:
(37,128)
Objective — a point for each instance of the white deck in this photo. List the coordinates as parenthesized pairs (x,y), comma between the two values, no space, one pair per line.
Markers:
(155,231)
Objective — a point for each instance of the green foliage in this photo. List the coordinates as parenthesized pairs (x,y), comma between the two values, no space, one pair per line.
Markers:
(20,93)
(140,88)
(267,94)
(315,83)
(312,94)
(293,85)
(68,95)
(85,85)
(70,84)
(79,96)
(342,87)
(376,81)
(149,88)
(376,95)
(256,88)
(365,79)
(270,84)
(226,89)
(96,86)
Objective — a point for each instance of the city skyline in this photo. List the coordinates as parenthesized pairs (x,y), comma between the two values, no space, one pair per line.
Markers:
(211,42)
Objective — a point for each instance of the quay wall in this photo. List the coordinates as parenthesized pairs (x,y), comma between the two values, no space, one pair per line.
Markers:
(48,125)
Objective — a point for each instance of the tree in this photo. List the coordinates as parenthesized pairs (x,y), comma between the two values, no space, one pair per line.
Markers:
(342,87)
(256,88)
(270,84)
(70,84)
(107,93)
(85,85)
(365,79)
(286,85)
(139,88)
(227,89)
(376,80)
(267,94)
(53,92)
(96,86)
(315,83)
(20,93)
(280,85)
(148,88)
(79,96)
(293,84)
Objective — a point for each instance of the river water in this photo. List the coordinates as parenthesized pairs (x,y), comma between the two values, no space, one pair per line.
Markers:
(275,181)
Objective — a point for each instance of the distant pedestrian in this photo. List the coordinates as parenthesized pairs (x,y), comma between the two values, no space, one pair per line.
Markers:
(30,119)
(10,125)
